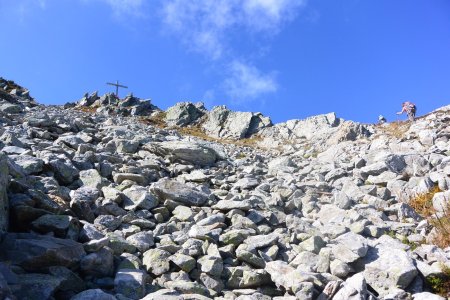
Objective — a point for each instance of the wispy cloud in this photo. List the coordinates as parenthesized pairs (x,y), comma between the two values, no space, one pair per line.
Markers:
(246,82)
(126,7)
(203,25)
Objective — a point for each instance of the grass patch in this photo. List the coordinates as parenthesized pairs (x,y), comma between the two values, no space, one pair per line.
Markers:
(423,205)
(440,284)
(157,119)
(86,109)
(241,155)
(395,129)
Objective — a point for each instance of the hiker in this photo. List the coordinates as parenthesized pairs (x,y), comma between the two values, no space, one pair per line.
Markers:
(381,119)
(410,109)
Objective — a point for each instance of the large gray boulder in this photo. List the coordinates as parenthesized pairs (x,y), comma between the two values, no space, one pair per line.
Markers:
(283,275)
(4,207)
(354,288)
(36,252)
(174,190)
(223,123)
(388,266)
(183,113)
(37,286)
(93,294)
(130,283)
(185,152)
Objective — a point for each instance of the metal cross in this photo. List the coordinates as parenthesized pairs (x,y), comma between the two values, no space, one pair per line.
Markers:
(117,85)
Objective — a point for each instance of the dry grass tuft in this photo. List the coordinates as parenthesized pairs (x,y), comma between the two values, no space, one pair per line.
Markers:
(395,129)
(442,225)
(87,109)
(157,120)
(198,132)
(423,204)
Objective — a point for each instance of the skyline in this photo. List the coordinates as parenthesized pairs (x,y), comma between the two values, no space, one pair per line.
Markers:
(288,59)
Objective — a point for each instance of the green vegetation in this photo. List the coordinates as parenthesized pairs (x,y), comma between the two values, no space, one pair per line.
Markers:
(440,284)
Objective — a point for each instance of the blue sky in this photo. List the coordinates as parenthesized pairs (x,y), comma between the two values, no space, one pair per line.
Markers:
(288,59)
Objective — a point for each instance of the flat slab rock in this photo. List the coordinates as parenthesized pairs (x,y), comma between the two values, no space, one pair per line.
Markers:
(36,252)
(390,268)
(177,191)
(190,152)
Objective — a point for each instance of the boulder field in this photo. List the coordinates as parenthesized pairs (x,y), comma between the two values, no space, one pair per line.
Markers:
(100,201)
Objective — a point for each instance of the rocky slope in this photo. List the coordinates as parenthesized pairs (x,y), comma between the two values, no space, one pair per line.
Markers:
(104,205)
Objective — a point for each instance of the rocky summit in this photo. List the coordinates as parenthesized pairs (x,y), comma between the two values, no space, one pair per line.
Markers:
(110,198)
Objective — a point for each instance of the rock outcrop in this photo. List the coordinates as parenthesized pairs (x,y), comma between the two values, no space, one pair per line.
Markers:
(4,202)
(219,123)
(110,104)
(105,206)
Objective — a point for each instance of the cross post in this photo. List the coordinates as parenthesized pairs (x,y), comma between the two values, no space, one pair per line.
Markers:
(117,85)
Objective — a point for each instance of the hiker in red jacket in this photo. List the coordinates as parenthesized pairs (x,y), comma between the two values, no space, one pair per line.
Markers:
(410,109)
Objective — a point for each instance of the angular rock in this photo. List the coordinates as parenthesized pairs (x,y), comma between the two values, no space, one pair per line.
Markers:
(92,178)
(188,152)
(174,190)
(392,268)
(34,252)
(60,225)
(182,114)
(139,197)
(37,286)
(156,261)
(184,262)
(130,283)
(93,294)
(99,264)
(141,240)
(354,288)
(349,247)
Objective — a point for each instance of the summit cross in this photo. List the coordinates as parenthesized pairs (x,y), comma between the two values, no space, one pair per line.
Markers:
(117,85)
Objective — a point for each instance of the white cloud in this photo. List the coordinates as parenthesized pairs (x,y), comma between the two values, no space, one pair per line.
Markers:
(270,14)
(122,8)
(203,25)
(247,83)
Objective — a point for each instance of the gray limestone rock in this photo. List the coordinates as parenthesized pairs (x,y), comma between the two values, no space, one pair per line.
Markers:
(37,286)
(349,247)
(389,266)
(60,225)
(35,252)
(141,240)
(156,261)
(187,152)
(99,264)
(130,283)
(182,114)
(174,190)
(286,276)
(184,262)
(93,294)
(138,197)
(354,288)
(211,265)
(92,178)
(29,164)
